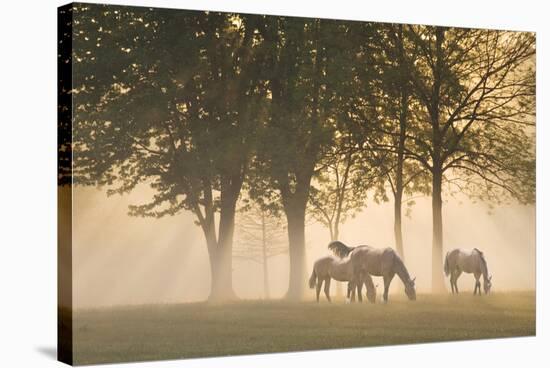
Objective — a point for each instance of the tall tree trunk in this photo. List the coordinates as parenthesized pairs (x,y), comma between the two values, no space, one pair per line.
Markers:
(398,197)
(264,258)
(221,271)
(403,112)
(297,250)
(397,224)
(397,209)
(221,251)
(331,231)
(438,284)
(334,236)
(216,260)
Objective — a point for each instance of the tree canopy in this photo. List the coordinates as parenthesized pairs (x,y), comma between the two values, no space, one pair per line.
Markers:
(296,112)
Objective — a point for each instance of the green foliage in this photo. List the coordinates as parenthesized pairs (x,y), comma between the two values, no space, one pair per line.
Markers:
(296,130)
(477,90)
(165,98)
(201,105)
(64,97)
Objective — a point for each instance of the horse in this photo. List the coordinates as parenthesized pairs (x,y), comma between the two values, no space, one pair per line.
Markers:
(460,260)
(383,262)
(329,267)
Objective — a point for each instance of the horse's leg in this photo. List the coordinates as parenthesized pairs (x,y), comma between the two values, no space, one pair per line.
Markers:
(356,278)
(327,289)
(455,287)
(352,291)
(318,287)
(457,275)
(479,286)
(452,280)
(371,289)
(360,291)
(387,282)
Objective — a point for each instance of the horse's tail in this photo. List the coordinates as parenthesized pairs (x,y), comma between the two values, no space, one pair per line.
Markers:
(312,279)
(339,248)
(446,268)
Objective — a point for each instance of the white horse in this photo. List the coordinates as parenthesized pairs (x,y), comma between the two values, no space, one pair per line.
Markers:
(460,260)
(329,267)
(383,262)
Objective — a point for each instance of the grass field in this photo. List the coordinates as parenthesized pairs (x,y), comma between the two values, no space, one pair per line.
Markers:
(138,333)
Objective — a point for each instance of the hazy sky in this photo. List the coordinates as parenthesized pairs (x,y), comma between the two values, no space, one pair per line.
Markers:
(119,259)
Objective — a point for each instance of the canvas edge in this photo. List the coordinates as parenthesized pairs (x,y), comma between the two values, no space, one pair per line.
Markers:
(64,186)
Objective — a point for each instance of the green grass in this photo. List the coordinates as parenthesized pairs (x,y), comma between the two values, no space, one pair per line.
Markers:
(137,333)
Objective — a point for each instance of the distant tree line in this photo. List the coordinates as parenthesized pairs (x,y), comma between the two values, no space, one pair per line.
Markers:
(301,116)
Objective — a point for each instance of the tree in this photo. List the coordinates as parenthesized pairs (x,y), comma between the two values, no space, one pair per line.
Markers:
(347,169)
(296,130)
(338,192)
(259,237)
(403,175)
(198,104)
(477,91)
(374,118)
(170,100)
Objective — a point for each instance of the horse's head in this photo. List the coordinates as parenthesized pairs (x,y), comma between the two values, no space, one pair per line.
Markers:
(410,289)
(487,284)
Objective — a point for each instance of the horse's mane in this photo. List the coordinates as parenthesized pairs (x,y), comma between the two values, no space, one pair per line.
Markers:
(401,269)
(482,257)
(339,249)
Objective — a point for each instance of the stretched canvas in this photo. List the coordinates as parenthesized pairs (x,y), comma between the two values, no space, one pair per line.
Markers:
(240,184)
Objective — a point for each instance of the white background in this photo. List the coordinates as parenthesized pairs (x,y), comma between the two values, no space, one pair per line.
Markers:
(28,182)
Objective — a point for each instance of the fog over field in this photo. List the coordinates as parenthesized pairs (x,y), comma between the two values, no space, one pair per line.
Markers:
(208,123)
(119,259)
(207,160)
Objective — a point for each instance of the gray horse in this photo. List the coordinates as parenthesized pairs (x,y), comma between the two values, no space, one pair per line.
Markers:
(327,268)
(469,261)
(383,262)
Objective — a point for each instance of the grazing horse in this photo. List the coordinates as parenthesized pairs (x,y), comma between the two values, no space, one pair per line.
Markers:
(460,260)
(384,262)
(327,268)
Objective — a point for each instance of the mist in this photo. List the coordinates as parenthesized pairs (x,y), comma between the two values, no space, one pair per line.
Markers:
(207,160)
(121,260)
